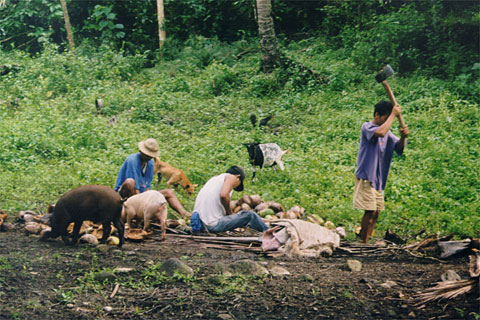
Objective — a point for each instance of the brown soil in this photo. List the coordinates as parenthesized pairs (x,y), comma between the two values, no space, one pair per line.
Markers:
(43,280)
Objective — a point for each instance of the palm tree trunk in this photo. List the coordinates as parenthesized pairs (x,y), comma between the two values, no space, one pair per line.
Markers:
(161,22)
(268,42)
(68,26)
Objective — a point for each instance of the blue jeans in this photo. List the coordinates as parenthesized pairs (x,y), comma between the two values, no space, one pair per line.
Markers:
(239,220)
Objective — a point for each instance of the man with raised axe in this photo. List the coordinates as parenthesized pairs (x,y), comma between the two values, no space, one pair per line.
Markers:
(375,153)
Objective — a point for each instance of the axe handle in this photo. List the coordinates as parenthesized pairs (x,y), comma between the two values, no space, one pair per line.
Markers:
(393,101)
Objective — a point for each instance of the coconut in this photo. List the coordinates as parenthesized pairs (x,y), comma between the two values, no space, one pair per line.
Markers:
(20,215)
(329,225)
(233,204)
(341,232)
(299,211)
(261,206)
(291,215)
(238,208)
(245,207)
(113,241)
(255,200)
(246,199)
(266,212)
(28,217)
(275,206)
(319,220)
(89,238)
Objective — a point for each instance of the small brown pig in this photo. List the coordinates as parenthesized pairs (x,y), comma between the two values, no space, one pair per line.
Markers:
(92,202)
(148,205)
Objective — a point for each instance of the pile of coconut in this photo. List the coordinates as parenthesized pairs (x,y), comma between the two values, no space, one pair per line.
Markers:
(272,210)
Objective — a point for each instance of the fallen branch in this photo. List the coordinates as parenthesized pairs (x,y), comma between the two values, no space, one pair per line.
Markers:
(115,290)
(230,239)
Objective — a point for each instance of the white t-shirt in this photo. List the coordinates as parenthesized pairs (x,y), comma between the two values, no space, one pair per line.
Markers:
(208,204)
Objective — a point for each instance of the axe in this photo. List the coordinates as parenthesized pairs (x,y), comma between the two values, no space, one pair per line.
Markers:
(381,77)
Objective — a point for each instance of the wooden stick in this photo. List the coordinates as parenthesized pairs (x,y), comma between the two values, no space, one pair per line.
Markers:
(115,290)
(393,101)
(232,239)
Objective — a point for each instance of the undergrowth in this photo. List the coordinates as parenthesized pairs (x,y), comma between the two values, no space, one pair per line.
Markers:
(198,105)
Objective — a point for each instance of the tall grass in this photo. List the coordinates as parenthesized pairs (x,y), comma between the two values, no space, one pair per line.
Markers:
(197,106)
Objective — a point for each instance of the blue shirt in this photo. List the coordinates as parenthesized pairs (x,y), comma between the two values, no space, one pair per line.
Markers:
(375,156)
(132,168)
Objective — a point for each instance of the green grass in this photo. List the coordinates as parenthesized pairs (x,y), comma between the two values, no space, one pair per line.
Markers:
(54,140)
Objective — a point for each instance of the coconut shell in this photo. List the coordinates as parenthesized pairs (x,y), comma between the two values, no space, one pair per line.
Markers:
(137,234)
(255,200)
(83,228)
(261,206)
(89,238)
(275,206)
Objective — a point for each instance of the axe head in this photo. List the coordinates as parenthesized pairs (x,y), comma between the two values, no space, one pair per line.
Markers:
(386,72)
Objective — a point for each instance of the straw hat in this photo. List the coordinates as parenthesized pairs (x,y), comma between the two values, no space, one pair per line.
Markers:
(149,147)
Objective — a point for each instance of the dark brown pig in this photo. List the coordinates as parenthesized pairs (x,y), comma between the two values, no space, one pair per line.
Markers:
(94,203)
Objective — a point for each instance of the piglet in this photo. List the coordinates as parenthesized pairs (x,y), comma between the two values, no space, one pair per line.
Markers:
(92,202)
(148,205)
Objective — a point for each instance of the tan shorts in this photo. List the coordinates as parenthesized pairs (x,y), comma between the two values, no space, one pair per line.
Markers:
(365,197)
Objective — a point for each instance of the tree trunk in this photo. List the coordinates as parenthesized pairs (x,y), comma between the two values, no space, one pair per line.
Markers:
(161,21)
(268,41)
(68,26)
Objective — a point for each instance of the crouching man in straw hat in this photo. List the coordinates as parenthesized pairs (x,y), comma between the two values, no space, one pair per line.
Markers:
(136,175)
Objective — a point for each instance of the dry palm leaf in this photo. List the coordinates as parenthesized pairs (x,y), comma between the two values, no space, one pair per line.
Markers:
(453,289)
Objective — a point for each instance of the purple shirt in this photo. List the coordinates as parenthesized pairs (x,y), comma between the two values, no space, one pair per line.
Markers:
(132,168)
(375,156)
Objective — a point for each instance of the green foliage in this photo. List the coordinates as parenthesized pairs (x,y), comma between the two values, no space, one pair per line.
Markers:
(53,139)
(102,20)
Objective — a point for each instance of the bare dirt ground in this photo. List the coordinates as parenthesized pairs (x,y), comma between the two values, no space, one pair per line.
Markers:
(48,280)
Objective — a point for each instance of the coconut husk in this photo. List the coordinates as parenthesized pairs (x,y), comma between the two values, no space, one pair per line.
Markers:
(238,208)
(86,226)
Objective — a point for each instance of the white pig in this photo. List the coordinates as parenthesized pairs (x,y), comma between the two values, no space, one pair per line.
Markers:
(148,205)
